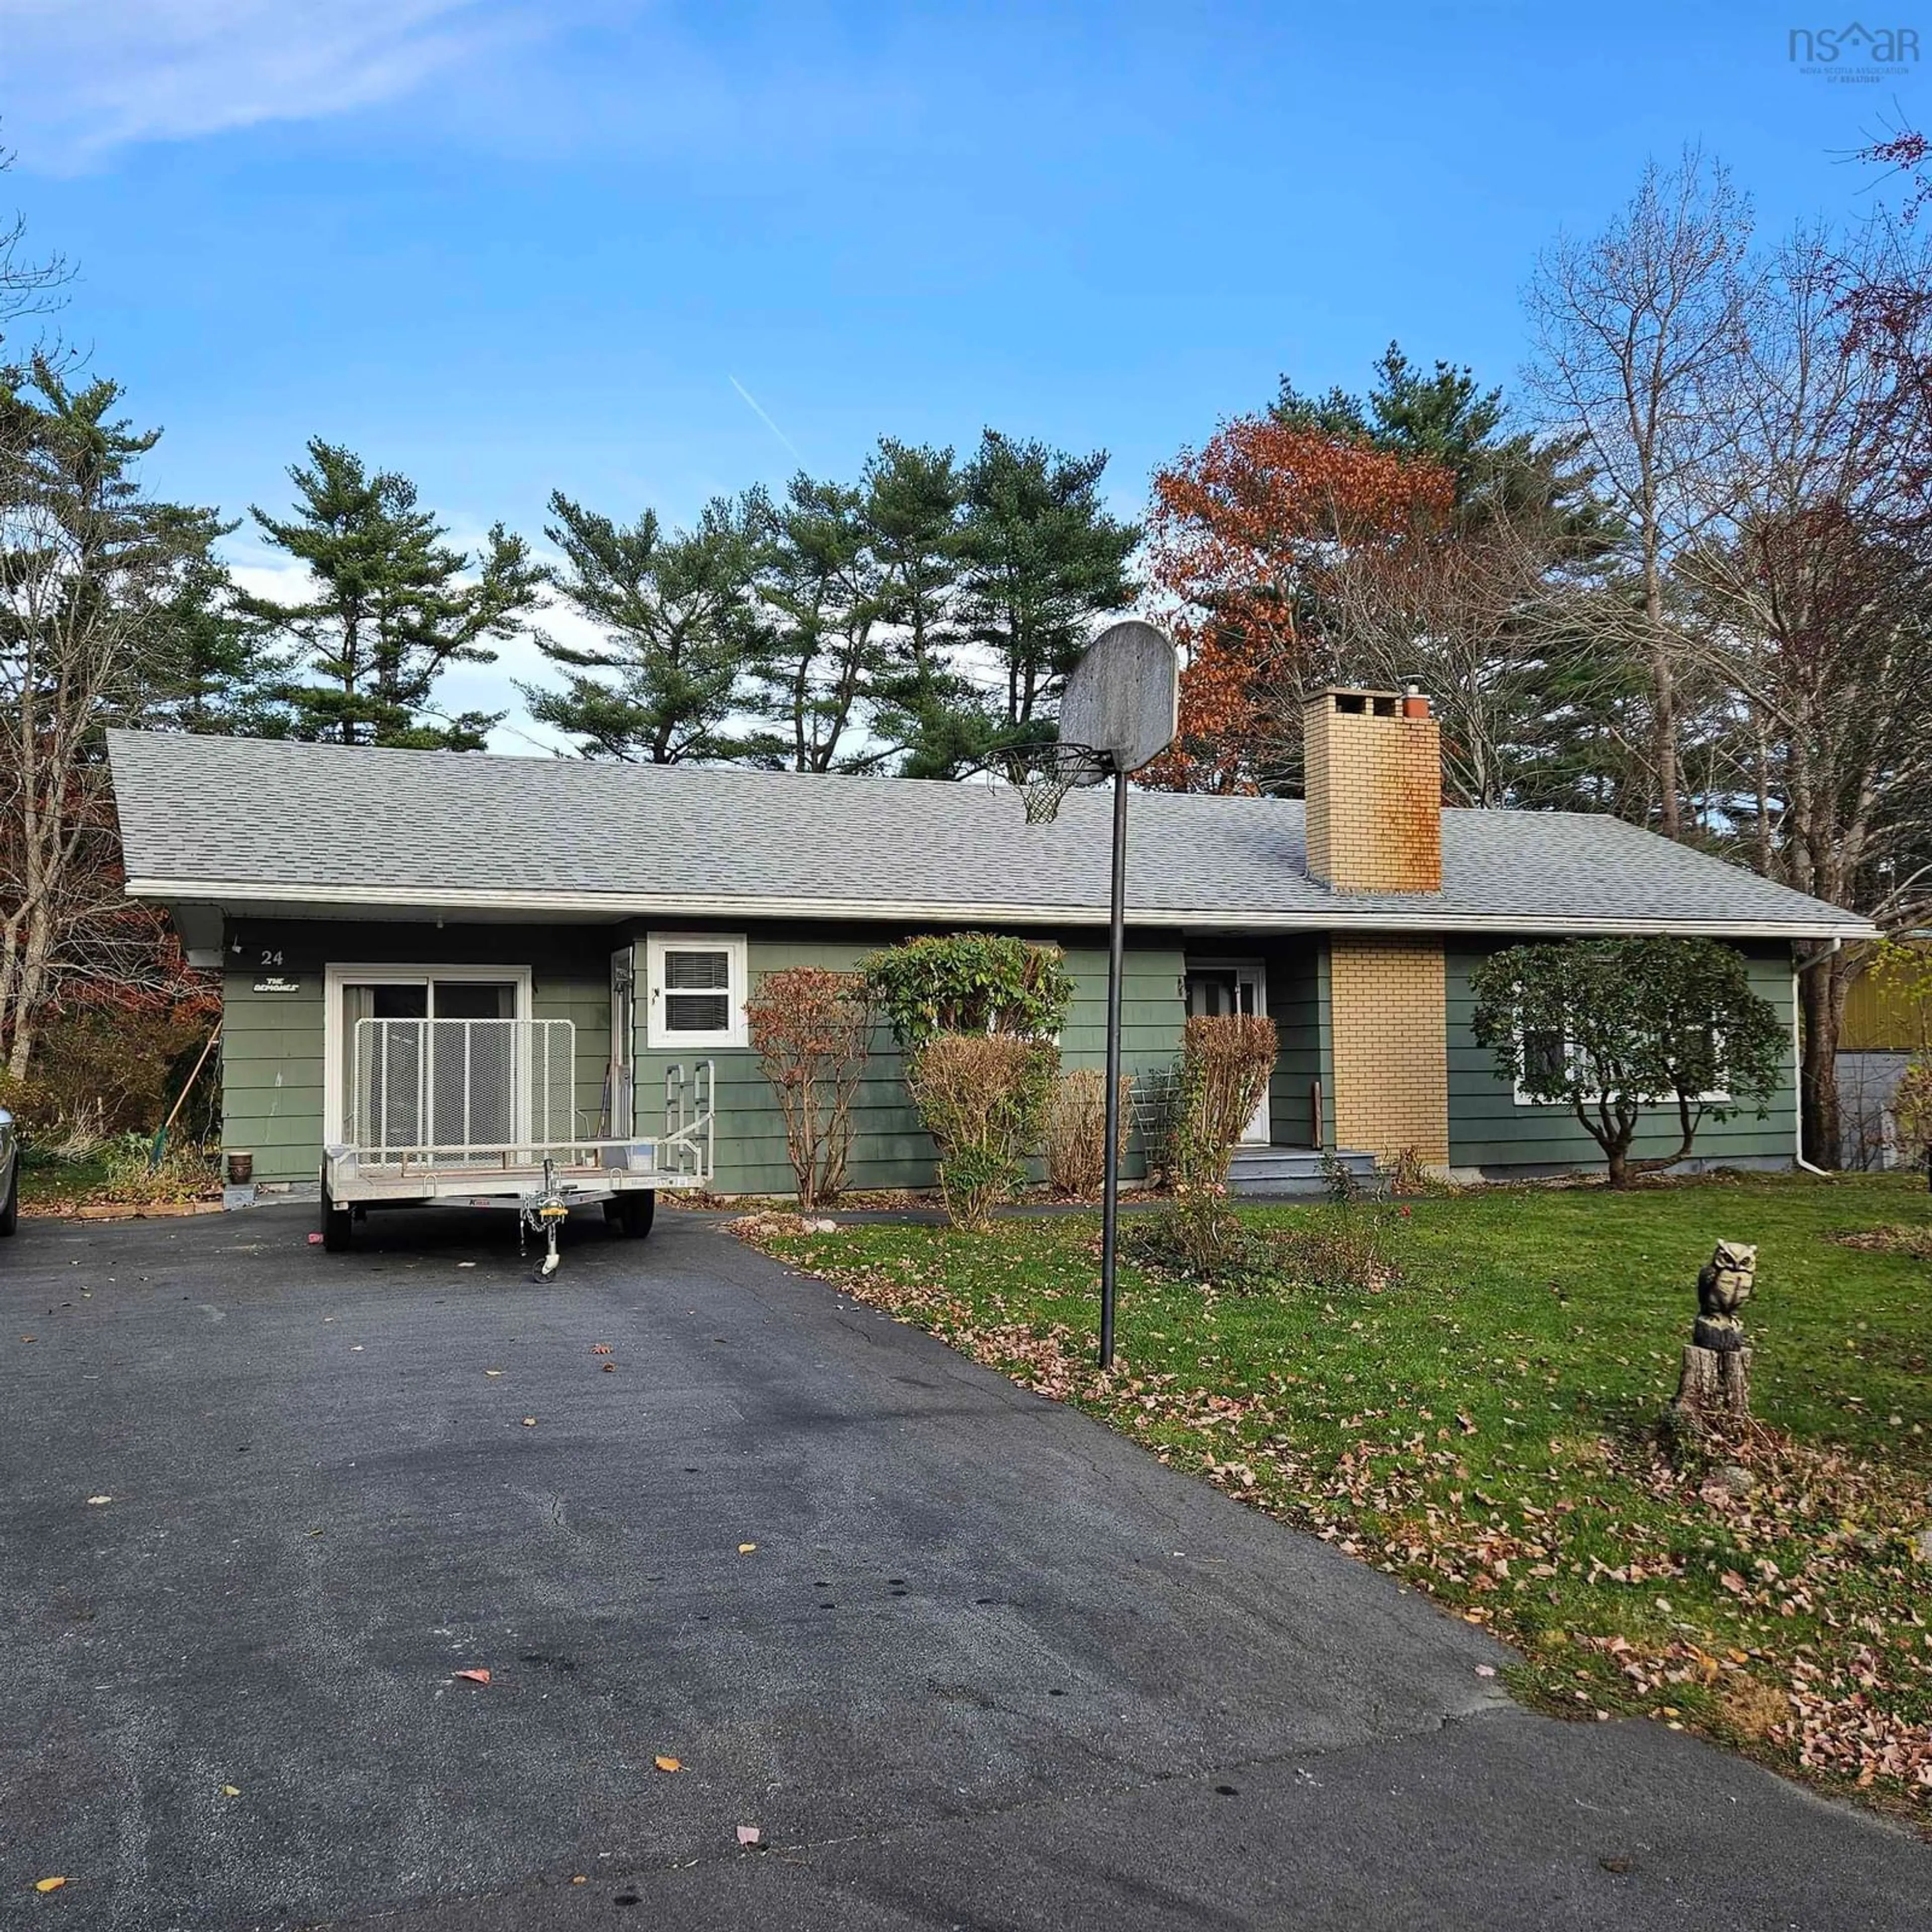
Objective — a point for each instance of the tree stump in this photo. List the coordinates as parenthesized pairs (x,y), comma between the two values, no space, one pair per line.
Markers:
(1715,1381)
(1715,1377)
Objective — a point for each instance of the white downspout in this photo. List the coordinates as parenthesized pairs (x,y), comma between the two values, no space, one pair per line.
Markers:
(1797,1066)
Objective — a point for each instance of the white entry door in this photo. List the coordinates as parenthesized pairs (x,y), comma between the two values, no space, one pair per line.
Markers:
(1217,986)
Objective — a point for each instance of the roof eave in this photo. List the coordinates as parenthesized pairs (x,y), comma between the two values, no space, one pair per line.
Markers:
(383,900)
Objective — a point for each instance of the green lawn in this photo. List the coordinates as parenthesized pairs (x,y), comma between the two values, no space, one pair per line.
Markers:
(1483,1425)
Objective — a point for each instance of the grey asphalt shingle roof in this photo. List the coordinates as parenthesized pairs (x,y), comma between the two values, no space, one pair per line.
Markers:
(243,821)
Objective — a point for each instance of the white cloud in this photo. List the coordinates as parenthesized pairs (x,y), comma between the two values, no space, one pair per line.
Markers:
(80,78)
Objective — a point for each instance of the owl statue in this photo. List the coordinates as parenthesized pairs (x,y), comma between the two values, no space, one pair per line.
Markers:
(1724,1285)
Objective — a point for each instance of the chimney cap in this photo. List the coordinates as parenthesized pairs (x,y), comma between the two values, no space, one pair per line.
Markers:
(1329,692)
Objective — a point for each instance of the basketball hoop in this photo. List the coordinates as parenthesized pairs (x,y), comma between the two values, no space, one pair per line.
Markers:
(1047,773)
(1119,710)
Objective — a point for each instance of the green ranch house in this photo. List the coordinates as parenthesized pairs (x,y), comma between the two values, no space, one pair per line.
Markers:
(331,884)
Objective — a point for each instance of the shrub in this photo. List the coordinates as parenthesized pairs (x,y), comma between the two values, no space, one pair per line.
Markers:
(1411,1172)
(982,1097)
(1339,1181)
(1076,1129)
(966,982)
(187,1172)
(1344,1253)
(98,1073)
(811,1028)
(1225,1064)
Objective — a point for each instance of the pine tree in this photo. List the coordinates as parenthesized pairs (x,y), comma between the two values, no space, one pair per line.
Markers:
(1043,558)
(913,498)
(681,627)
(223,679)
(821,650)
(92,573)
(393,607)
(1527,543)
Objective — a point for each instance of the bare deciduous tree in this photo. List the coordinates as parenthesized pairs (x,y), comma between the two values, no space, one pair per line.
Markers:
(1813,600)
(1471,612)
(1639,332)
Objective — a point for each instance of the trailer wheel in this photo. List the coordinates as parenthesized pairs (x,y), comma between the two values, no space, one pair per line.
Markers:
(631,1214)
(336,1222)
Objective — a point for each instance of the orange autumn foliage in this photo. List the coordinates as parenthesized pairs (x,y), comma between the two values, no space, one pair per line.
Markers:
(1239,536)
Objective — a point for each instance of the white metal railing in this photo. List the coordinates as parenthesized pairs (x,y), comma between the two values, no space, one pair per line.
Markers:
(461,1091)
(501,1094)
(690,1142)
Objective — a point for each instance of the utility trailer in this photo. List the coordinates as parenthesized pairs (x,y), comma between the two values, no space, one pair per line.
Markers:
(482,1113)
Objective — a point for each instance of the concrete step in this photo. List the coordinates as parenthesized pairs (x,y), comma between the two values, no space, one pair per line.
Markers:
(1288,1171)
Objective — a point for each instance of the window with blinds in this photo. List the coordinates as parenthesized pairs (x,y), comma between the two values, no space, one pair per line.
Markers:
(696,990)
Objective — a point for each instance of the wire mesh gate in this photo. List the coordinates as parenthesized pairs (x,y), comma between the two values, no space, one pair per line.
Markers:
(461,1091)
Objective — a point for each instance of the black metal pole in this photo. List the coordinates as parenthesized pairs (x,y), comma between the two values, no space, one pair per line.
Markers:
(1110,1186)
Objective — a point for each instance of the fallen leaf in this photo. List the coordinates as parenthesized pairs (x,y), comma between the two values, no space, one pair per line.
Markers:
(745,1548)
(667,1764)
(609,1368)
(529,1422)
(580,1879)
(48,1884)
(600,1347)
(1486,1670)
(748,1835)
(466,1264)
(97,1500)
(231,1791)
(315,1240)
(492,1372)
(29,1338)
(474,1676)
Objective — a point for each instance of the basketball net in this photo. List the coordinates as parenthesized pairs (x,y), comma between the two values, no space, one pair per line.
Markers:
(1051,772)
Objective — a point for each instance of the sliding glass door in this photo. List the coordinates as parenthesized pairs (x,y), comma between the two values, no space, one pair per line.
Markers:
(416,1085)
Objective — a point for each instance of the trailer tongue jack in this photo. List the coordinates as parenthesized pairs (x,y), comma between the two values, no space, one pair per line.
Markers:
(543,1211)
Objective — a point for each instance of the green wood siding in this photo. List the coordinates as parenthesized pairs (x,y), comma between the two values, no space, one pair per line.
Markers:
(271,1043)
(1489,1129)
(889,1148)
(1298,1003)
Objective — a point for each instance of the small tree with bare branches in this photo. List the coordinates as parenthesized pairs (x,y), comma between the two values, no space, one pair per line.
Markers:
(812,1028)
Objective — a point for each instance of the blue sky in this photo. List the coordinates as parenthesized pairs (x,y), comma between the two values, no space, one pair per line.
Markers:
(513,245)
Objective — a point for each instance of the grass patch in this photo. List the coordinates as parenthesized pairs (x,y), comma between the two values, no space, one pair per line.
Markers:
(1479,1416)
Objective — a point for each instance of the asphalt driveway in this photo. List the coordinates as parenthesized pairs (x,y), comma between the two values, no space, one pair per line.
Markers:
(987,1666)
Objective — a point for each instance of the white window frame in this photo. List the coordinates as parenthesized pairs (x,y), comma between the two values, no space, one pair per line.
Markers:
(1718,1096)
(334,1044)
(659,1038)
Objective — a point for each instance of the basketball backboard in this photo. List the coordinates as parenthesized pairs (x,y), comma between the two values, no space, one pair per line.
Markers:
(1123,699)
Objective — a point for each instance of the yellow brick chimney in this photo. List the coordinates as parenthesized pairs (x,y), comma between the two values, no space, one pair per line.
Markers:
(1374,761)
